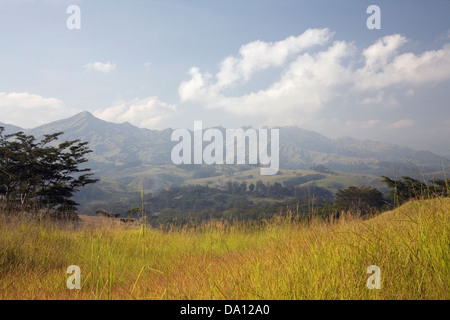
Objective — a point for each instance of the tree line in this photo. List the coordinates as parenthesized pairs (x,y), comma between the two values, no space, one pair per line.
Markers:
(289,188)
(255,201)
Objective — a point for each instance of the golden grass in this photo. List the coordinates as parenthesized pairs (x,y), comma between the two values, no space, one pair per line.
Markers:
(282,259)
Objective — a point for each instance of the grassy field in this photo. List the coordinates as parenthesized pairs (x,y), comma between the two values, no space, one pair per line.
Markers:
(332,182)
(281,259)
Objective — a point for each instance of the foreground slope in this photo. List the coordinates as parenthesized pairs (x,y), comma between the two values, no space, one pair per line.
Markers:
(281,259)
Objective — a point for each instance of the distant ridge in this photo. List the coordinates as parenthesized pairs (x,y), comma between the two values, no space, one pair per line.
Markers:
(120,147)
(9,128)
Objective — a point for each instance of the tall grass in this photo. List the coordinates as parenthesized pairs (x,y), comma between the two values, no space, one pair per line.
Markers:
(281,259)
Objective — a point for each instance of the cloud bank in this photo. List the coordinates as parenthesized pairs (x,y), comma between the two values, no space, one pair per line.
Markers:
(314,72)
(145,113)
(29,110)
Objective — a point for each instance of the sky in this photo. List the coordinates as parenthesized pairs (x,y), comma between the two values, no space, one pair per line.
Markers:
(165,64)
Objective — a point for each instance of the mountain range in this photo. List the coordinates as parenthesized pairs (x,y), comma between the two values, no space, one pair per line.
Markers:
(117,148)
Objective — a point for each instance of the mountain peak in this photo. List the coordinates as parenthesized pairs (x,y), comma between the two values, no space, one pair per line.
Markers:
(83,115)
(80,121)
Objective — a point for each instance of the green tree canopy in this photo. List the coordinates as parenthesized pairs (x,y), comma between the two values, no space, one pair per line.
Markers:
(41,174)
(408,188)
(362,200)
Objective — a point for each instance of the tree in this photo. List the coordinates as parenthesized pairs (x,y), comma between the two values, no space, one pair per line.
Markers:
(321,168)
(408,188)
(41,175)
(441,187)
(362,200)
(276,190)
(243,188)
(260,188)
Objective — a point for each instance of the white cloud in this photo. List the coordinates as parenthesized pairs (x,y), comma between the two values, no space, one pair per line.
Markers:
(195,89)
(27,100)
(403,123)
(30,110)
(407,69)
(100,66)
(378,54)
(381,99)
(309,80)
(364,124)
(144,113)
(303,87)
(260,55)
(254,56)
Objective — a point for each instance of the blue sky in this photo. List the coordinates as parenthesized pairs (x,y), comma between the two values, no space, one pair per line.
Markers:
(160,64)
